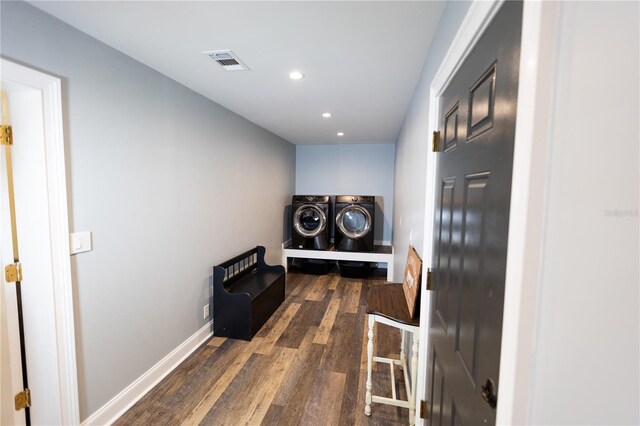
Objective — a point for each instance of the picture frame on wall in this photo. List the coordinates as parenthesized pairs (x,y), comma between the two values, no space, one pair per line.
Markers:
(411,281)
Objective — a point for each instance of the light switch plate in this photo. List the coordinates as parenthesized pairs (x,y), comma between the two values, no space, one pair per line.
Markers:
(80,242)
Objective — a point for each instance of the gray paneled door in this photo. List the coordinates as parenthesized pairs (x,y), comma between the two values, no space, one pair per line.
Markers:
(472,219)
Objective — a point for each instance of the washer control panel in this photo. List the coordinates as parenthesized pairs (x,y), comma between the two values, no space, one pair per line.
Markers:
(355,199)
(310,199)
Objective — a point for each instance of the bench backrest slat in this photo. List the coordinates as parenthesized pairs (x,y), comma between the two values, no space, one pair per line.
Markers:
(239,266)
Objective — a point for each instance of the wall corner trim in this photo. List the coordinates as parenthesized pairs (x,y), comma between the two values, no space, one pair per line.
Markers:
(119,404)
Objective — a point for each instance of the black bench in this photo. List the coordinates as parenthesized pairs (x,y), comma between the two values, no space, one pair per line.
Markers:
(246,292)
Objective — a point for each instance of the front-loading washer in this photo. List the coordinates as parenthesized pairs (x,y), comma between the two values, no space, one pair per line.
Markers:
(310,222)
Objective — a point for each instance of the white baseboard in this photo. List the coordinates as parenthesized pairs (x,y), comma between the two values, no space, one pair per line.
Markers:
(120,403)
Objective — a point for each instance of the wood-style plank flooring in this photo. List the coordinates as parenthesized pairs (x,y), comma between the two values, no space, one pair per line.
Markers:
(306,366)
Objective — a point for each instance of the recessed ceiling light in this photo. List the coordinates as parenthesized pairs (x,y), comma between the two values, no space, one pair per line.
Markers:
(296,75)
(340,134)
(326,114)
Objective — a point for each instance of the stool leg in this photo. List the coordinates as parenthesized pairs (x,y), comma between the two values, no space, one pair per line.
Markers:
(414,375)
(367,407)
(402,354)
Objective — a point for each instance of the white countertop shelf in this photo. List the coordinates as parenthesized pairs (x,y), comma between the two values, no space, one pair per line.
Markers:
(381,254)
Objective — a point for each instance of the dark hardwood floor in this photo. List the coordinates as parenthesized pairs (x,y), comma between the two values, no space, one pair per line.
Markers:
(306,366)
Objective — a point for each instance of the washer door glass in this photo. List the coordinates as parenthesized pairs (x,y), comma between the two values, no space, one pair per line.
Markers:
(309,220)
(354,221)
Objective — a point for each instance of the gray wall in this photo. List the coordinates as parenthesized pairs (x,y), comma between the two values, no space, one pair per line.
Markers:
(169,182)
(358,169)
(413,144)
(586,366)
(412,147)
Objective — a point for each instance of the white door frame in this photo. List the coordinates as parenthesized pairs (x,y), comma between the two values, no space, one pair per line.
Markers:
(535,94)
(50,88)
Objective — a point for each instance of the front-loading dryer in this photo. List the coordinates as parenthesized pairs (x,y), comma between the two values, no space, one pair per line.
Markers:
(310,222)
(355,217)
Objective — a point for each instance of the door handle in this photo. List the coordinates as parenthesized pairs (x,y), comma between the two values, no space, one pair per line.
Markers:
(488,391)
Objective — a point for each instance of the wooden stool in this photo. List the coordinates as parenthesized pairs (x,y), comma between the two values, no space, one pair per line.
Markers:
(386,304)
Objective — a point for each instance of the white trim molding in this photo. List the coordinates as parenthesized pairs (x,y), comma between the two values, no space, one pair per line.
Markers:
(50,88)
(119,404)
(538,55)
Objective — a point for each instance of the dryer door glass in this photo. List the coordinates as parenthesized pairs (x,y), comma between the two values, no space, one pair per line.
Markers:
(309,220)
(354,221)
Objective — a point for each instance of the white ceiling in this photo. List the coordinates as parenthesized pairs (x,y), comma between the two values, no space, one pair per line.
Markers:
(362,60)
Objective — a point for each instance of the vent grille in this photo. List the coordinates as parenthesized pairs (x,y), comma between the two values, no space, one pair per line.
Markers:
(227,60)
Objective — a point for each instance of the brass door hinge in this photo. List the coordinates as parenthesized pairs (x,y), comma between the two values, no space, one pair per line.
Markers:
(429,279)
(23,399)
(423,409)
(435,146)
(13,272)
(6,135)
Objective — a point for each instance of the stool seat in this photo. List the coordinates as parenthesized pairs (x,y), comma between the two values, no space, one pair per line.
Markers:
(387,300)
(386,304)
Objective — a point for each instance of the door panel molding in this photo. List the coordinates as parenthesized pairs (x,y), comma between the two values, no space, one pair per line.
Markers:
(451,129)
(445,283)
(482,104)
(50,88)
(469,315)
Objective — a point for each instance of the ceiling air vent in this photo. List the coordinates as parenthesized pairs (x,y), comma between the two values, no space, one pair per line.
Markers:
(227,60)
